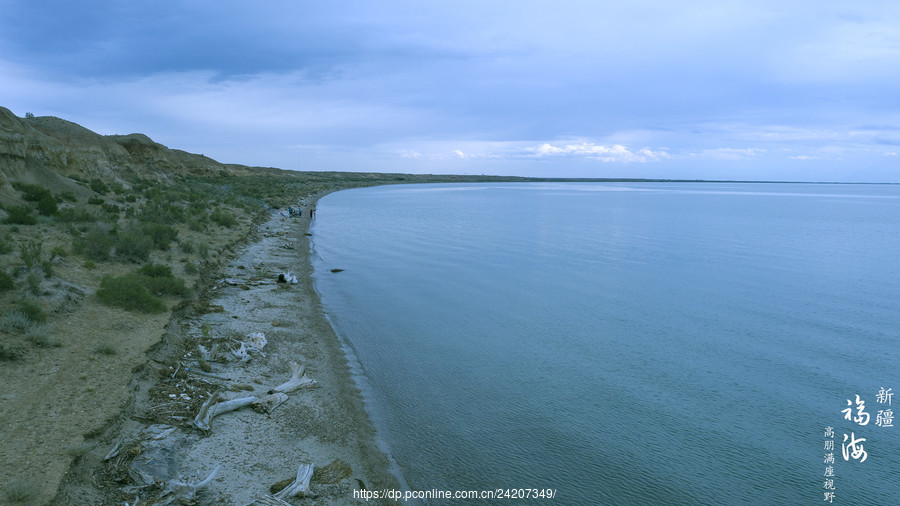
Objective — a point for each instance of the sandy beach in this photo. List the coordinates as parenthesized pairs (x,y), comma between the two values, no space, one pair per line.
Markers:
(156,440)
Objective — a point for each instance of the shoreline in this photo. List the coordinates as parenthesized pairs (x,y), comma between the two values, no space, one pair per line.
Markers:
(327,425)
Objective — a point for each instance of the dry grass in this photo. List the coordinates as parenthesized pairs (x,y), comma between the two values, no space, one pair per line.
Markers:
(20,490)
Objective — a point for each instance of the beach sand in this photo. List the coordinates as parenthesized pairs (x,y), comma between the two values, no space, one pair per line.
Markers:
(325,425)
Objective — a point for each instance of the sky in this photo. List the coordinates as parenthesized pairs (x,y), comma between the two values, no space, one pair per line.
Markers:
(752,90)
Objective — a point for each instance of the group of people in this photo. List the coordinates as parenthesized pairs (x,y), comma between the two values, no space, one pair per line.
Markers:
(292,211)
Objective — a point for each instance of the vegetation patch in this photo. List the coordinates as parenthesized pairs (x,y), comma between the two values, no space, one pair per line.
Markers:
(158,278)
(222,218)
(95,244)
(20,490)
(32,310)
(14,321)
(76,215)
(20,215)
(129,292)
(99,186)
(133,245)
(31,252)
(6,282)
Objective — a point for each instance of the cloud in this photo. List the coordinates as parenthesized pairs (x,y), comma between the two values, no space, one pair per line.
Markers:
(731,153)
(603,153)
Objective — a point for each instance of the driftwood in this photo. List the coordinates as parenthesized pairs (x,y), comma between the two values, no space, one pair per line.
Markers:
(185,492)
(269,402)
(256,343)
(115,451)
(298,380)
(300,485)
(208,410)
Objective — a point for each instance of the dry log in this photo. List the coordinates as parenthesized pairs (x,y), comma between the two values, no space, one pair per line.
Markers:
(208,410)
(268,403)
(298,380)
(185,492)
(300,485)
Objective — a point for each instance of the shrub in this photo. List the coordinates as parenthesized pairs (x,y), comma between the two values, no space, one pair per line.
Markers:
(111,208)
(5,244)
(34,283)
(99,186)
(158,278)
(20,215)
(156,271)
(95,244)
(15,321)
(222,218)
(40,336)
(32,310)
(97,201)
(133,245)
(106,348)
(6,282)
(160,234)
(67,196)
(128,292)
(31,252)
(47,205)
(21,490)
(76,215)
(9,353)
(31,192)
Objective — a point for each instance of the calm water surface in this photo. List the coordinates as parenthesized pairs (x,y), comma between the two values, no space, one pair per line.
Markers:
(623,343)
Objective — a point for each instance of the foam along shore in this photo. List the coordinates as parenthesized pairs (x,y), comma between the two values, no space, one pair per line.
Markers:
(247,392)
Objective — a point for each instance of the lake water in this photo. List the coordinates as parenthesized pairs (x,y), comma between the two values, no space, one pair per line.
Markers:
(660,343)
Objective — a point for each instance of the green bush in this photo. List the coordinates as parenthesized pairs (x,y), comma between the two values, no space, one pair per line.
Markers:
(6,282)
(133,245)
(222,218)
(10,353)
(99,186)
(156,271)
(97,201)
(47,205)
(128,292)
(5,244)
(31,252)
(34,283)
(32,310)
(32,192)
(160,234)
(95,245)
(158,278)
(20,215)
(14,321)
(67,196)
(76,215)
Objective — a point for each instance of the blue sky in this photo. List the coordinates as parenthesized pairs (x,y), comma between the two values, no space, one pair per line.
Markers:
(781,90)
